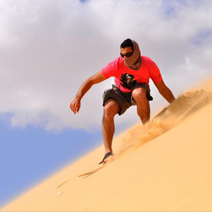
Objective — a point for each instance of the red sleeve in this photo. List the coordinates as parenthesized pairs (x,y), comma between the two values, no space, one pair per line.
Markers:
(155,73)
(109,70)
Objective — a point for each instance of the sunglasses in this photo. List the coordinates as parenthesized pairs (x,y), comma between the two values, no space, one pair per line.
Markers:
(128,54)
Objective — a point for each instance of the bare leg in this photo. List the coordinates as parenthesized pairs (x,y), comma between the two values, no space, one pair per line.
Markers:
(143,108)
(111,108)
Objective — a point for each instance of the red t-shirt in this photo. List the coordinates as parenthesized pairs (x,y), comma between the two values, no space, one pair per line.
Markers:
(125,76)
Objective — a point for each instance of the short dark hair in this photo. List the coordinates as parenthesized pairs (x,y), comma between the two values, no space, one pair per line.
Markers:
(127,43)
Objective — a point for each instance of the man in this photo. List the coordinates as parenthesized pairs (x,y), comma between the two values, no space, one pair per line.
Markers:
(132,73)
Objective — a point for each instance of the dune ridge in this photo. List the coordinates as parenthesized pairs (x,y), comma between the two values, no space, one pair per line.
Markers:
(164,166)
(183,107)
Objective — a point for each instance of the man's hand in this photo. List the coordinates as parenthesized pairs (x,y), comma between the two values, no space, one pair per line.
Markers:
(165,92)
(75,105)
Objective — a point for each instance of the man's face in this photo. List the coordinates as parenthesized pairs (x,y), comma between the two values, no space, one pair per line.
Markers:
(126,52)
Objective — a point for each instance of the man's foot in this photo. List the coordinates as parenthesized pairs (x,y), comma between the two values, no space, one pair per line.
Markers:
(106,157)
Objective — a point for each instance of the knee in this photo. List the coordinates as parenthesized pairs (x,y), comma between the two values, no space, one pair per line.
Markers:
(110,110)
(139,94)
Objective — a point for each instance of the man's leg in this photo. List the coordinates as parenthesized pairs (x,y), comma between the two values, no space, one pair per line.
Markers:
(143,108)
(111,108)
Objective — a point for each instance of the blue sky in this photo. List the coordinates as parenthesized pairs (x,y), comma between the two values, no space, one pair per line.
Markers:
(31,154)
(49,47)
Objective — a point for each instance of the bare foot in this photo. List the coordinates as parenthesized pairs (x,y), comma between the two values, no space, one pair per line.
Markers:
(109,159)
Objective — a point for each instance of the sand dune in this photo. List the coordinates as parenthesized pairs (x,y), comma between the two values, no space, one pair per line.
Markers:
(166,166)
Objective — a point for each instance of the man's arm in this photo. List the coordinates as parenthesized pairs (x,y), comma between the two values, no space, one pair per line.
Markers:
(165,91)
(76,103)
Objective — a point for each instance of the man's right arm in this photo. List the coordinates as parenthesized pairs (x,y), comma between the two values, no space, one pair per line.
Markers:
(76,103)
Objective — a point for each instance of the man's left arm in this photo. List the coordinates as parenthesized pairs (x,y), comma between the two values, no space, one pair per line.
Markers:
(165,91)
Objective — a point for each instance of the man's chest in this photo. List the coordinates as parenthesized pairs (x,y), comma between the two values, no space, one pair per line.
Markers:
(141,75)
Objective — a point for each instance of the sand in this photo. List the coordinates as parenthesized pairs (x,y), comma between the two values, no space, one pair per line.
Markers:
(165,167)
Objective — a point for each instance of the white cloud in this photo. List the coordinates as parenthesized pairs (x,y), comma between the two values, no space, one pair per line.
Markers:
(49,47)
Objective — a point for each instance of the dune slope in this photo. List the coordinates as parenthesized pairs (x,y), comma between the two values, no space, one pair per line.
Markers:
(165,167)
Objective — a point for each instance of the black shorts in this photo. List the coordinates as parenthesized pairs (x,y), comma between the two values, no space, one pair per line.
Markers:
(124,100)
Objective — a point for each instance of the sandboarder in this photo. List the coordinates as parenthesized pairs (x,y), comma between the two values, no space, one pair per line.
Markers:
(132,73)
